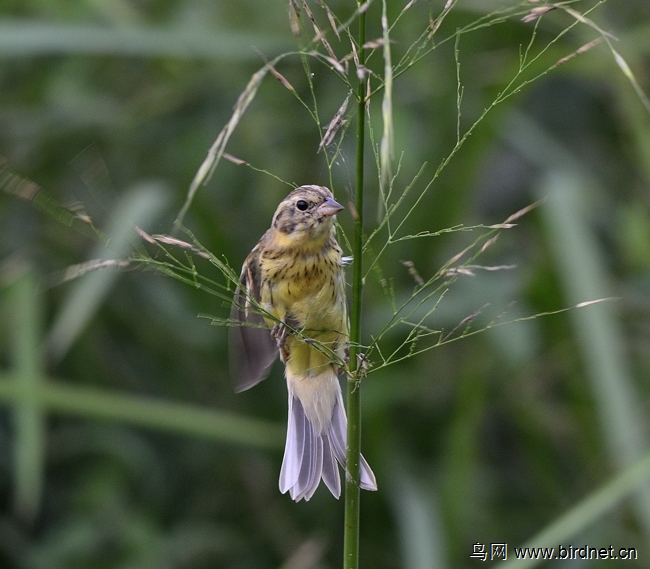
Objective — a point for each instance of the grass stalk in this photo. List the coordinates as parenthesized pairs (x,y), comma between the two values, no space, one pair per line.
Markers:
(352,493)
(54,396)
(29,421)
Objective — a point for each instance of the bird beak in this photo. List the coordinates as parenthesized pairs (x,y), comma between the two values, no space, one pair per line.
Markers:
(329,207)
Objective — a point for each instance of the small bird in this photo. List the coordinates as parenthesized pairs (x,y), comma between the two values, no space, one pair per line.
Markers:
(291,301)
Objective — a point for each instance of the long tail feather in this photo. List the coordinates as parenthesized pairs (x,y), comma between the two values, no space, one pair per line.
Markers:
(310,456)
(338,434)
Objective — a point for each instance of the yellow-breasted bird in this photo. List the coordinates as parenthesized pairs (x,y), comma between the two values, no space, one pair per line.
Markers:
(295,275)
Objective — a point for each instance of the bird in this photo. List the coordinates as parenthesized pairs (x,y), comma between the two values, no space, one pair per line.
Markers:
(291,302)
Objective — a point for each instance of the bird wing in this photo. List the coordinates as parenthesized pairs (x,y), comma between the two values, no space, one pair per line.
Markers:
(252,350)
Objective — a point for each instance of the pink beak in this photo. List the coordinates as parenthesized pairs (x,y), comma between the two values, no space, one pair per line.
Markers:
(329,207)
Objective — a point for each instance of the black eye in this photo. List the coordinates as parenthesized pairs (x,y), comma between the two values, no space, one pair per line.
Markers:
(302,205)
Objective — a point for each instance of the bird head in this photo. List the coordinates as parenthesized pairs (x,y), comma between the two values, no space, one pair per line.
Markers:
(306,216)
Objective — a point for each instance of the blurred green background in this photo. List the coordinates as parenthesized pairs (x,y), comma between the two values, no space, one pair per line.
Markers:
(122,444)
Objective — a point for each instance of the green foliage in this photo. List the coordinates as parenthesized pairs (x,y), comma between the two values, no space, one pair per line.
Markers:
(122,444)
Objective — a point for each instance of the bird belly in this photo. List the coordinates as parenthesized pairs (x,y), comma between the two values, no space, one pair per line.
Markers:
(317,392)
(307,293)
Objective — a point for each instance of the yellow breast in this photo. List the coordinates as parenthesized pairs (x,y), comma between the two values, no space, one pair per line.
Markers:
(306,290)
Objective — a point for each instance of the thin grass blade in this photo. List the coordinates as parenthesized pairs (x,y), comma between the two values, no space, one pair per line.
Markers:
(138,207)
(29,422)
(21,38)
(596,327)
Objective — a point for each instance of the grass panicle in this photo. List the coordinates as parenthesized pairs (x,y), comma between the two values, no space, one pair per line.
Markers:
(355,122)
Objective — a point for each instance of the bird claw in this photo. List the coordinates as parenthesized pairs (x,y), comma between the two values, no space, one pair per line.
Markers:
(279,333)
(362,364)
(346,361)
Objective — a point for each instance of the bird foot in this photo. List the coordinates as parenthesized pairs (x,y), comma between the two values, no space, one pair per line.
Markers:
(279,333)
(346,361)
(362,364)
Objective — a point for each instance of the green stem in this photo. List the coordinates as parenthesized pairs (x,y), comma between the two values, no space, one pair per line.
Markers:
(352,494)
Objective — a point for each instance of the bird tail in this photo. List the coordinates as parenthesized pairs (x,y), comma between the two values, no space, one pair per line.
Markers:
(312,451)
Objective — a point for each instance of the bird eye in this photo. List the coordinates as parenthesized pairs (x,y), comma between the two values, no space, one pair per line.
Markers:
(302,205)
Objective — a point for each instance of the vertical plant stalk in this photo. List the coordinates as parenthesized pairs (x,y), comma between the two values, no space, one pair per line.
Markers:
(352,493)
(29,420)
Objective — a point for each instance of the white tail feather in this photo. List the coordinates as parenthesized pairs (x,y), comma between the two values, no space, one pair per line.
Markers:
(311,451)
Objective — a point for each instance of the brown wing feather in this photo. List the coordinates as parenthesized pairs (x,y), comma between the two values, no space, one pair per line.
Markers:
(252,350)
